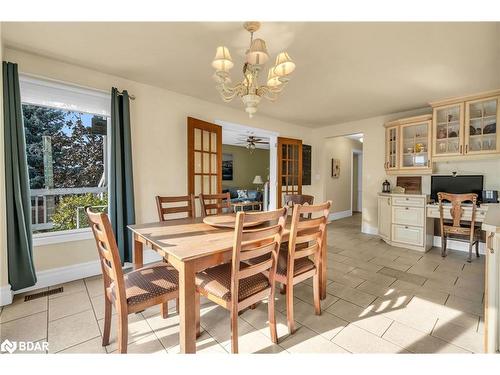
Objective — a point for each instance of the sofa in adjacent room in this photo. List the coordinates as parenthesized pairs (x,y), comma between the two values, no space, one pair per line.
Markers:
(243,195)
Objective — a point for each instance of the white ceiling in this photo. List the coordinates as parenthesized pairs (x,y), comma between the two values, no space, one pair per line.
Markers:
(345,71)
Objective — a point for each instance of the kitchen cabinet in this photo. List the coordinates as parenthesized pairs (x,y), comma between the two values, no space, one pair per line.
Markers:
(491,226)
(408,146)
(466,127)
(402,221)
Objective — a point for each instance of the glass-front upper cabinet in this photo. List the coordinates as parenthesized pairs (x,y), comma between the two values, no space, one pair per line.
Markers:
(448,137)
(415,144)
(481,126)
(407,145)
(391,147)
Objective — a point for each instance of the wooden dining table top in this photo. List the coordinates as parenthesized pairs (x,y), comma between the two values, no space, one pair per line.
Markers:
(189,238)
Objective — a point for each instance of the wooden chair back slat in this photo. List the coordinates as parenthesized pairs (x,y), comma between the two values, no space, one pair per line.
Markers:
(308,251)
(259,242)
(256,252)
(255,269)
(108,253)
(164,206)
(311,223)
(310,231)
(251,235)
(222,201)
(307,237)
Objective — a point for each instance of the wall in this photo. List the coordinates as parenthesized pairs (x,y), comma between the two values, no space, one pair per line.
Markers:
(338,190)
(159,139)
(246,166)
(373,160)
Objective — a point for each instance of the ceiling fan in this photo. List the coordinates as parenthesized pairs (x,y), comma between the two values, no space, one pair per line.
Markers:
(251,141)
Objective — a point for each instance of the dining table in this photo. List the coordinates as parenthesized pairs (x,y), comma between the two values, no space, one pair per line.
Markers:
(191,246)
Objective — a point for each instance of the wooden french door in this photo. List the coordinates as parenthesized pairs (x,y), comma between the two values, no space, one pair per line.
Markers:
(289,168)
(204,158)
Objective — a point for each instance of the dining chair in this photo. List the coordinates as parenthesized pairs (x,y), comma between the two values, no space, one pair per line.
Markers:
(217,202)
(458,229)
(293,199)
(170,206)
(300,258)
(132,292)
(167,206)
(239,285)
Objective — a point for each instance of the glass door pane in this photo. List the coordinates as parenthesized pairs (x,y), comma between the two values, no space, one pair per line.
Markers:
(415,147)
(392,143)
(289,168)
(448,130)
(482,134)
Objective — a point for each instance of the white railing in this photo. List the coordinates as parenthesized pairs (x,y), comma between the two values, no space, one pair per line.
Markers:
(42,210)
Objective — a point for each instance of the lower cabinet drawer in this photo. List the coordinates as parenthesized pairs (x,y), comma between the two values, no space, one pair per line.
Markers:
(408,234)
(408,216)
(408,201)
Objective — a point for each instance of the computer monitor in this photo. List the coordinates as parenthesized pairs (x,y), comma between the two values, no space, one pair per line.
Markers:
(462,184)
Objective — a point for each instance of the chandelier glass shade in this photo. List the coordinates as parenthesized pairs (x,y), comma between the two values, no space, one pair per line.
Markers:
(249,89)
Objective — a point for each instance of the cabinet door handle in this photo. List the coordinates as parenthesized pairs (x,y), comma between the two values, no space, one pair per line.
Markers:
(406,227)
(466,148)
(406,208)
(489,243)
(460,148)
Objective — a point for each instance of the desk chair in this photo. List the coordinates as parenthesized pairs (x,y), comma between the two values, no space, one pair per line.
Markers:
(457,229)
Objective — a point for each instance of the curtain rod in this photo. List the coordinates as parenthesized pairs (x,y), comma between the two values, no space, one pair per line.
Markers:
(132,97)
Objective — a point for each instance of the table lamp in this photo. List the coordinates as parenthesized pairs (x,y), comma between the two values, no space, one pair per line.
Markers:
(258,181)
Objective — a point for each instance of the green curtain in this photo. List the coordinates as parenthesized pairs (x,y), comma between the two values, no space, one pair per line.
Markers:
(121,189)
(17,188)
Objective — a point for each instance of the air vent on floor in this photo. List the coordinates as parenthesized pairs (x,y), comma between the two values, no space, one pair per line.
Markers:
(43,294)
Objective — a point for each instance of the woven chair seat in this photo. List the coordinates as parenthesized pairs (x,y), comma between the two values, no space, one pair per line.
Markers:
(217,281)
(150,282)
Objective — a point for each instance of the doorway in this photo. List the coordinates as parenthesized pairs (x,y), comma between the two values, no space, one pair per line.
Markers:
(344,182)
(357,181)
(238,135)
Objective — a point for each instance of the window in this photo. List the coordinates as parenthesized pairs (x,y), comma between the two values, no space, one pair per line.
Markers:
(66,145)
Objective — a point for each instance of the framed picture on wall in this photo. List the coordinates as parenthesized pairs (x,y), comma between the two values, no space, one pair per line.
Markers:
(227,167)
(335,168)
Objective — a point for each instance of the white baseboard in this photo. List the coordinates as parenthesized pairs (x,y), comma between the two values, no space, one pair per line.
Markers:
(55,276)
(453,245)
(5,295)
(458,245)
(73,272)
(339,215)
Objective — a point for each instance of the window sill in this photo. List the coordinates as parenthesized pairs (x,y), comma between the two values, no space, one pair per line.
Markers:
(41,239)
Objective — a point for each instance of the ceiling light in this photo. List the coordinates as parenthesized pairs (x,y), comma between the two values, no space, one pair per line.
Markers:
(249,89)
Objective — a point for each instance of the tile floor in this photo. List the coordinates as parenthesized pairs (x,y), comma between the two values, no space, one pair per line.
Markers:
(380,299)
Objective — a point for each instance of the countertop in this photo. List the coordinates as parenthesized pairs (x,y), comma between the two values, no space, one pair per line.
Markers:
(402,195)
(491,221)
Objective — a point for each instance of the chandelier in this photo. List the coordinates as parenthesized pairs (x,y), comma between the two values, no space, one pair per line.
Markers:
(249,89)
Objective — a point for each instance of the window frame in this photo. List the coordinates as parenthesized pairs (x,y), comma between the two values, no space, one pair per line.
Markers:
(79,234)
